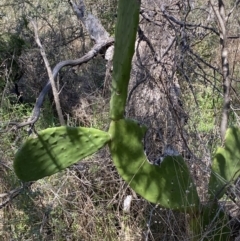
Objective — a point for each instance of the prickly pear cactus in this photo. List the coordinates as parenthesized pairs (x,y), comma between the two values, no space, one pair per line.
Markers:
(226,164)
(125,35)
(169,185)
(55,149)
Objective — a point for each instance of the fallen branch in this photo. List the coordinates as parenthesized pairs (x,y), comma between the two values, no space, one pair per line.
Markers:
(13,194)
(102,42)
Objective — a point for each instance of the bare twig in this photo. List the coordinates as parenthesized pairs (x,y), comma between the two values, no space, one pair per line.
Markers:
(13,194)
(50,75)
(97,33)
(36,111)
(233,8)
(184,24)
(149,223)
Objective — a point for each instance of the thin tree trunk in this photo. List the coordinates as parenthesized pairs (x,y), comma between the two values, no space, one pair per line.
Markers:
(221,17)
(51,78)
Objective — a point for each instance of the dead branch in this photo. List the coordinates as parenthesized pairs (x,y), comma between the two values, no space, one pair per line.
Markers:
(184,24)
(50,75)
(13,194)
(94,27)
(231,11)
(102,42)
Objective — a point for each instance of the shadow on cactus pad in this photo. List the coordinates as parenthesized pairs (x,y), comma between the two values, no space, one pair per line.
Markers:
(169,185)
(54,149)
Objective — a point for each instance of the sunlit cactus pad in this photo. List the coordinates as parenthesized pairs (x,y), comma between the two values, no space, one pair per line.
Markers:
(169,185)
(226,163)
(55,149)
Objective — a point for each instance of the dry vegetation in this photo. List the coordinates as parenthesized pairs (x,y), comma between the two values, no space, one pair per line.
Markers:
(176,90)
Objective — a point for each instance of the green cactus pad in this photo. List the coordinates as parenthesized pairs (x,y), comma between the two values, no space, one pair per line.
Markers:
(55,149)
(125,35)
(226,164)
(169,185)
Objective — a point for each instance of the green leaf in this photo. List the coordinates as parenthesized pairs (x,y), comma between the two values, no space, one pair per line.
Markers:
(169,185)
(54,149)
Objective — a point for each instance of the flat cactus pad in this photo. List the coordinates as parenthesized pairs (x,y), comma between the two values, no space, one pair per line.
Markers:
(169,185)
(54,149)
(226,164)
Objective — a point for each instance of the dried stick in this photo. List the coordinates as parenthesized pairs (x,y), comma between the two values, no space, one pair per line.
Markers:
(13,194)
(102,42)
(50,75)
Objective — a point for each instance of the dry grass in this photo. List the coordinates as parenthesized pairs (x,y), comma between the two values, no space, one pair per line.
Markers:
(85,202)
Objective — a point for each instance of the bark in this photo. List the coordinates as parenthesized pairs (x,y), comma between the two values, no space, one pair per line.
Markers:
(51,77)
(226,81)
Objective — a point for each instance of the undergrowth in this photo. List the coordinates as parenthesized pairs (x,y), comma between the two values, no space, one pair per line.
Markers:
(85,202)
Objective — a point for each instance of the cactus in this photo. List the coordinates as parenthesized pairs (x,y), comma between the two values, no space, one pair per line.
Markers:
(169,185)
(57,148)
(225,170)
(226,164)
(54,149)
(125,35)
